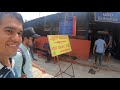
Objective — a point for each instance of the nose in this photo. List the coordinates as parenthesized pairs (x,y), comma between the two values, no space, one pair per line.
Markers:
(16,38)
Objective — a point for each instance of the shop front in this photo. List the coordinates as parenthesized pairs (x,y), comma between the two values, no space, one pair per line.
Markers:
(102,22)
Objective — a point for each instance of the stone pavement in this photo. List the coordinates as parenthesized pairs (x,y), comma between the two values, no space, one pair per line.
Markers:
(38,74)
(81,68)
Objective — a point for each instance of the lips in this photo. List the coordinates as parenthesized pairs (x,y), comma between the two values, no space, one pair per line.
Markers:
(14,46)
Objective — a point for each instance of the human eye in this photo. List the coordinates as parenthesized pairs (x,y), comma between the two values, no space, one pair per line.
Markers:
(9,31)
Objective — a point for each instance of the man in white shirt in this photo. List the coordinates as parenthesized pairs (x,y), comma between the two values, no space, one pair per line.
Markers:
(27,37)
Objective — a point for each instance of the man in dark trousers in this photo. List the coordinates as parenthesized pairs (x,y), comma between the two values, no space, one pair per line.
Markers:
(98,49)
(108,40)
(46,51)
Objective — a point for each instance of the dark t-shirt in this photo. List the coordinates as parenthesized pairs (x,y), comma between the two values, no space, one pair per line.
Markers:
(107,38)
(46,46)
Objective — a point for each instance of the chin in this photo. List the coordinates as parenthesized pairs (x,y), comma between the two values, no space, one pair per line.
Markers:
(13,54)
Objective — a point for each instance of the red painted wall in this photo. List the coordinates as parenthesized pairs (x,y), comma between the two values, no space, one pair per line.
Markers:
(80,48)
(40,41)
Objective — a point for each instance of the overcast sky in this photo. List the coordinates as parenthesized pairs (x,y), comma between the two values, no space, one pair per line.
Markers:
(32,15)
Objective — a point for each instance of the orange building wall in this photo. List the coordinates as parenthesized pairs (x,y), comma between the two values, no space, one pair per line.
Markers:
(80,48)
(40,41)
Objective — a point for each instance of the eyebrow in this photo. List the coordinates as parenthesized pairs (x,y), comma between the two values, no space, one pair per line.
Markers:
(9,27)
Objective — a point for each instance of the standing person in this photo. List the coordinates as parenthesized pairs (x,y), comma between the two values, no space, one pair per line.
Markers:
(46,51)
(27,38)
(11,28)
(98,49)
(108,40)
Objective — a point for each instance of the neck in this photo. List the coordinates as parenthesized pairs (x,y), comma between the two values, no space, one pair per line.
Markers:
(5,61)
(25,44)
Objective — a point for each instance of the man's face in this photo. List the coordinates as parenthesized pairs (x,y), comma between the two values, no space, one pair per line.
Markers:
(30,41)
(10,36)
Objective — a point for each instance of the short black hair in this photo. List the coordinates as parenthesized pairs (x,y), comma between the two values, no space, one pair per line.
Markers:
(99,36)
(16,15)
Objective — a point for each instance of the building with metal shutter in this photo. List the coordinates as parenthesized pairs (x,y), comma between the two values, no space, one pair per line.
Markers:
(85,22)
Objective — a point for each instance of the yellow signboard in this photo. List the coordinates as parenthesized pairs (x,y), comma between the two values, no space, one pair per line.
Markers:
(59,44)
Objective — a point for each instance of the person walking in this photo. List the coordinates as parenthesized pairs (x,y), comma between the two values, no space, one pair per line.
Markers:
(99,49)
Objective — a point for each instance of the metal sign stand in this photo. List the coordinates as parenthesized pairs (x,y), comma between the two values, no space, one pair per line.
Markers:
(61,72)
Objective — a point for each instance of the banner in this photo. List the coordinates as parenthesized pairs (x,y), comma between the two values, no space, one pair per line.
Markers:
(107,17)
(74,26)
(59,44)
(67,26)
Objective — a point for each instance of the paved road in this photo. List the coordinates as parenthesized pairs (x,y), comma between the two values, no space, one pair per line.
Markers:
(79,70)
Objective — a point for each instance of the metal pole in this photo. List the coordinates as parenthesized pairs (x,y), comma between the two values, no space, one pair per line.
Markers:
(60,71)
